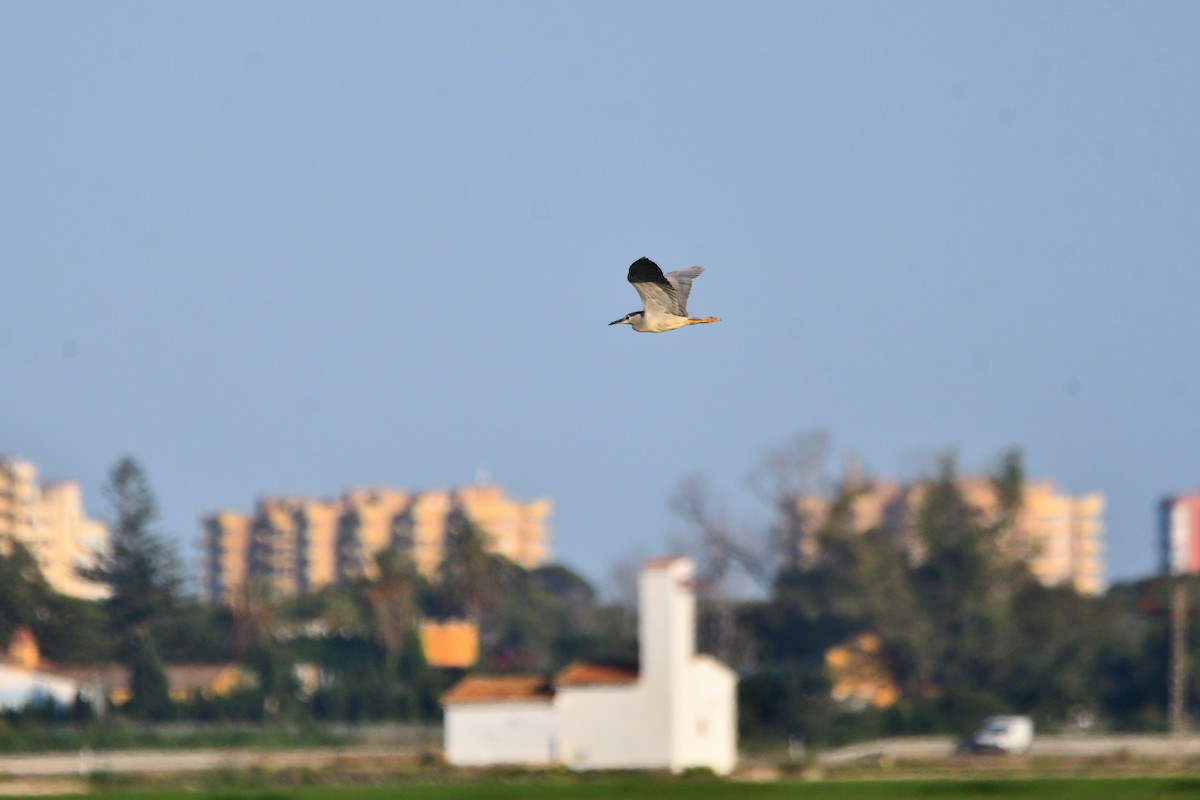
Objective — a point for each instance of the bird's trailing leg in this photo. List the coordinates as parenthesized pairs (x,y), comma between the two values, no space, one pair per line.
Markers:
(698,320)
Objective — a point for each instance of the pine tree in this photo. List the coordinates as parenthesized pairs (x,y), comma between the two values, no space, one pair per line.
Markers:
(148,684)
(139,567)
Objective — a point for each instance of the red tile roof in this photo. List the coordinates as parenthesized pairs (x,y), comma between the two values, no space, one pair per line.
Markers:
(583,673)
(181,677)
(112,676)
(197,677)
(499,689)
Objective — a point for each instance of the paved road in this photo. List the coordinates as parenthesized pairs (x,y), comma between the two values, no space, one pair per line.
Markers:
(930,747)
(43,765)
(148,761)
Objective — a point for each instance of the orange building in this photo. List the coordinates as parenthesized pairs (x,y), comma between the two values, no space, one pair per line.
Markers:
(858,674)
(296,545)
(450,644)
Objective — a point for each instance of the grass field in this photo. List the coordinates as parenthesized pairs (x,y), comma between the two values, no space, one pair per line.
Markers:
(660,789)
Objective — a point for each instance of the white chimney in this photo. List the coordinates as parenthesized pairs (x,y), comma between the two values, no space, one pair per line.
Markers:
(666,619)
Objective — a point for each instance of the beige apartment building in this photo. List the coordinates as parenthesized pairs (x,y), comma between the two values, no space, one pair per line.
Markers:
(296,545)
(50,521)
(1060,536)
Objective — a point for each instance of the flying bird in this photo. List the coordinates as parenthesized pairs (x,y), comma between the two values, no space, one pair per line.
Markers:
(664,298)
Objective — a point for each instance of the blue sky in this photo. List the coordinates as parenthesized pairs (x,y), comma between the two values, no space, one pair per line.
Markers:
(299,247)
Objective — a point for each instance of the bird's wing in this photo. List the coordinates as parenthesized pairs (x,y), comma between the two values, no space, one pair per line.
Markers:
(657,293)
(681,279)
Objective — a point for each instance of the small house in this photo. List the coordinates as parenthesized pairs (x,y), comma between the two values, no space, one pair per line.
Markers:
(676,710)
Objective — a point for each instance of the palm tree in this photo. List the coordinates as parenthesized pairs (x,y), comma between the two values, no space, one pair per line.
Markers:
(469,573)
(390,601)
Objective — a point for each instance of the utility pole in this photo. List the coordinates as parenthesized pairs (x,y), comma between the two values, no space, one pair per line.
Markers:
(1177,702)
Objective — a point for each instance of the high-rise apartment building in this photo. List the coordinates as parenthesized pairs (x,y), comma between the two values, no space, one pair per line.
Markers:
(296,545)
(1179,534)
(1060,536)
(50,521)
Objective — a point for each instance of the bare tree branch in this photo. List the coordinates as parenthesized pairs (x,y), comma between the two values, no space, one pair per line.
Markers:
(722,547)
(785,479)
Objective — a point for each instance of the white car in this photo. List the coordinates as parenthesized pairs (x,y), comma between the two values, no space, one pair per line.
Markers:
(1004,734)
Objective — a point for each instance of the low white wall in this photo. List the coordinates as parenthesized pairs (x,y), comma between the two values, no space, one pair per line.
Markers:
(704,718)
(613,727)
(485,734)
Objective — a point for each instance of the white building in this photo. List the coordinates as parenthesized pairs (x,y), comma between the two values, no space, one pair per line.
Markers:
(678,710)
(20,687)
(24,683)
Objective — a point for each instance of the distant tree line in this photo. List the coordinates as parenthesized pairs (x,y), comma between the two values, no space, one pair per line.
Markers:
(361,637)
(964,630)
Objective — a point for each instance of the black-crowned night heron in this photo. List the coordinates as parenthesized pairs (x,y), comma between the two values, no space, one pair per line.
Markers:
(664,298)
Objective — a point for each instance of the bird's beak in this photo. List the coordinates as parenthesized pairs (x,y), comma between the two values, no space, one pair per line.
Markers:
(618,321)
